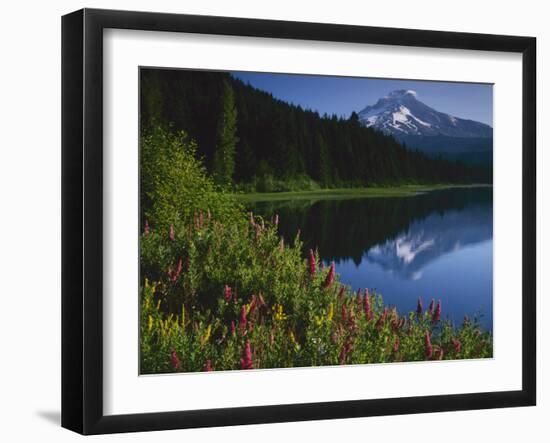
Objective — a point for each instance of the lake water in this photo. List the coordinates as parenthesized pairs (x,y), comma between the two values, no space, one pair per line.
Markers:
(434,245)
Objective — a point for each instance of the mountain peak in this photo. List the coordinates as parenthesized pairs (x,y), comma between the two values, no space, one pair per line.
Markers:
(401,114)
(398,93)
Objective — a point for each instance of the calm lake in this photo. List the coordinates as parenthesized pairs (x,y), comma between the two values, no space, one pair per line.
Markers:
(437,245)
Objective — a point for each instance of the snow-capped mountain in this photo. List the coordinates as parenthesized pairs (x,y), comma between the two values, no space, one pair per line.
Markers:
(401,114)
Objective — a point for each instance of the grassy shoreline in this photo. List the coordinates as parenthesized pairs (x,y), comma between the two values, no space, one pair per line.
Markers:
(350,193)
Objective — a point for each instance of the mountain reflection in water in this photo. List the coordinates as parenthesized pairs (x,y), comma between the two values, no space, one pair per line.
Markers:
(434,245)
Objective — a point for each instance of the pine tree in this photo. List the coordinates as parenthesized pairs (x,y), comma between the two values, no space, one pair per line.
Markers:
(224,157)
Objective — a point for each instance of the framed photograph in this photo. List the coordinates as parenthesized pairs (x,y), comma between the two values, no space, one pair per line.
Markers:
(269,221)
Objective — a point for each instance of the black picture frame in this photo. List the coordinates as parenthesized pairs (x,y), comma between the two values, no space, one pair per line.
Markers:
(82,218)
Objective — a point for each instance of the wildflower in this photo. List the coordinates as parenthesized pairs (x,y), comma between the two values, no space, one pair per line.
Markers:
(330,276)
(232,327)
(359,300)
(242,319)
(146,228)
(176,365)
(227,293)
(207,334)
(396,344)
(427,345)
(431,307)
(341,292)
(439,353)
(276,220)
(246,359)
(172,233)
(346,350)
(368,312)
(437,314)
(456,344)
(278,312)
(330,313)
(150,323)
(419,306)
(208,366)
(344,313)
(312,263)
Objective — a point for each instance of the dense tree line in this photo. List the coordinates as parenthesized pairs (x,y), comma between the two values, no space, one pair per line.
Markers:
(245,134)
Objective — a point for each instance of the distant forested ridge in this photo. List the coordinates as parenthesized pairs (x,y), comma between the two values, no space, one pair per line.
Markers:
(246,136)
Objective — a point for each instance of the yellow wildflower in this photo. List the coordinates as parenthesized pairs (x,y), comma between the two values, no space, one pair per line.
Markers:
(330,313)
(150,324)
(207,335)
(278,312)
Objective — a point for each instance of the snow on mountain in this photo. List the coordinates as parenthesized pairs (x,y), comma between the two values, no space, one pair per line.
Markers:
(400,113)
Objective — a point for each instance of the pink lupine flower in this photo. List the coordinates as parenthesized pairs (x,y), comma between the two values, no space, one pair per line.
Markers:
(242,319)
(346,350)
(232,327)
(312,263)
(227,294)
(456,344)
(428,349)
(359,300)
(208,366)
(344,313)
(146,228)
(176,365)
(330,276)
(367,308)
(341,293)
(431,307)
(394,319)
(437,314)
(172,233)
(419,306)
(246,360)
(396,344)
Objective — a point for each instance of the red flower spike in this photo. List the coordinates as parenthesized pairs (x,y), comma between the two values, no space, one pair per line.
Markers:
(208,366)
(437,314)
(232,327)
(246,360)
(227,294)
(419,306)
(312,263)
(341,293)
(330,276)
(242,319)
(428,349)
(176,365)
(368,312)
(396,344)
(456,344)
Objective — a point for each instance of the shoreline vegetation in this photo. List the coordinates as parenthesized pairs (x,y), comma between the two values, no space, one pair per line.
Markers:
(351,193)
(221,290)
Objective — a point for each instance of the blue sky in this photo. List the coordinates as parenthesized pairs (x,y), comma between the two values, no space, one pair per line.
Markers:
(342,95)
